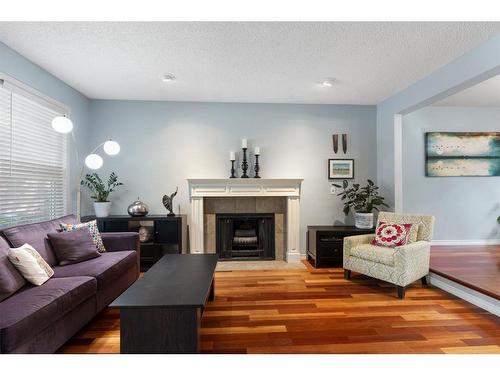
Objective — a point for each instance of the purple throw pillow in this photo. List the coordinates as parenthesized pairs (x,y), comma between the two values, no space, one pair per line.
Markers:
(73,247)
(10,279)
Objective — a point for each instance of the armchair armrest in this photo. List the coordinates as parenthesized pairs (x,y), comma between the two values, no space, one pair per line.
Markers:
(412,260)
(353,241)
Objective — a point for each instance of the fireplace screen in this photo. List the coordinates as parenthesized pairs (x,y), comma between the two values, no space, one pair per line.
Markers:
(245,236)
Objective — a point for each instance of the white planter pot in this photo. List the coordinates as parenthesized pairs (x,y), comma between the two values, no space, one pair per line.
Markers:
(363,220)
(101,209)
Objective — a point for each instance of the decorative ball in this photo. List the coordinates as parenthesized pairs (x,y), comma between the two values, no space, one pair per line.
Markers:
(138,208)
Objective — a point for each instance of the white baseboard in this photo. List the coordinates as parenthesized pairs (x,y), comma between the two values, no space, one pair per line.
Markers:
(293,257)
(483,301)
(491,241)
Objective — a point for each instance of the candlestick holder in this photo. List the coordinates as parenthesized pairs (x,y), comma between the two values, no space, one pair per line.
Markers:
(256,167)
(233,175)
(244,164)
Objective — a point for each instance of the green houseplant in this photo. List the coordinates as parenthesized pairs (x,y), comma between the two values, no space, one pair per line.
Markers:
(100,191)
(363,200)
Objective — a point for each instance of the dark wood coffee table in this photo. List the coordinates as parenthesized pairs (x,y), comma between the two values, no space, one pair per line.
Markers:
(161,312)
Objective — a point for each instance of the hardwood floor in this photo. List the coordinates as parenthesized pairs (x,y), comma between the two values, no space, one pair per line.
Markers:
(317,311)
(477,267)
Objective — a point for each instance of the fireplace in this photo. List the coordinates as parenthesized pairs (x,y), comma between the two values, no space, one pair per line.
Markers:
(245,236)
(210,197)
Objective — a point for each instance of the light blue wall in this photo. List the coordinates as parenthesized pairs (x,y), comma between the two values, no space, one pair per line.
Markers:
(164,143)
(20,68)
(466,208)
(475,66)
(174,141)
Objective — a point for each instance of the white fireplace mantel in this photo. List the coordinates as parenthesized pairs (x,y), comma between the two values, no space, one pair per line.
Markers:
(248,187)
(237,187)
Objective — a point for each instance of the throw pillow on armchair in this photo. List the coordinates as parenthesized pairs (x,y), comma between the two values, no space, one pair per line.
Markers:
(393,235)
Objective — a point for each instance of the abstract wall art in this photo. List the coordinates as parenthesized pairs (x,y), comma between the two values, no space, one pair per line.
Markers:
(462,154)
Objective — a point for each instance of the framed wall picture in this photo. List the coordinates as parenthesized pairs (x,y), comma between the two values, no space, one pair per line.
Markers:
(457,154)
(340,168)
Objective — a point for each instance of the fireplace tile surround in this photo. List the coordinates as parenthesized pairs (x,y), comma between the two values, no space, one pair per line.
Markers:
(245,205)
(279,196)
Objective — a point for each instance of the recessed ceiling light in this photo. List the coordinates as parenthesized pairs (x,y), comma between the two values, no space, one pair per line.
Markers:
(328,82)
(169,77)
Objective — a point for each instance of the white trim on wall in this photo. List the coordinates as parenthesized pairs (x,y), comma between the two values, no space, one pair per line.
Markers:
(492,241)
(398,163)
(483,301)
(33,94)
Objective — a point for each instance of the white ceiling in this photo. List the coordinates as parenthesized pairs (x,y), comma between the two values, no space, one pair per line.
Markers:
(484,94)
(244,61)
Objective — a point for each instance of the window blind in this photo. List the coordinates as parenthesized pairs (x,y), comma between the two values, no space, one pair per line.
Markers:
(33,161)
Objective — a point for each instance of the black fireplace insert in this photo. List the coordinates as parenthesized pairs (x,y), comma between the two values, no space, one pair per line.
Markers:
(245,236)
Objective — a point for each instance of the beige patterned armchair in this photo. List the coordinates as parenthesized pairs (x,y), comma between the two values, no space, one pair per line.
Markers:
(400,265)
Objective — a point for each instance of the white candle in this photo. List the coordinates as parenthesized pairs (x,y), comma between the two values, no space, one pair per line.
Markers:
(232,156)
(257,151)
(244,143)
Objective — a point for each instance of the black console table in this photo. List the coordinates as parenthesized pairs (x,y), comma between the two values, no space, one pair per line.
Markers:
(167,234)
(325,244)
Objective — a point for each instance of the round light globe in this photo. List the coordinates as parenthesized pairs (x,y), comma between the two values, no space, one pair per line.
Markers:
(62,124)
(111,147)
(93,161)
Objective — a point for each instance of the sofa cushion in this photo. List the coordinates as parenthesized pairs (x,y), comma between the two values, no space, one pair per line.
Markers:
(377,254)
(10,278)
(74,246)
(36,235)
(34,308)
(106,268)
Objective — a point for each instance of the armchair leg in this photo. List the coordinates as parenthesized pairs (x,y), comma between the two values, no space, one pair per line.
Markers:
(424,281)
(401,292)
(347,274)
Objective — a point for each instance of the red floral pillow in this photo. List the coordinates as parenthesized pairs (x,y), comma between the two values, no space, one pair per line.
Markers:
(392,235)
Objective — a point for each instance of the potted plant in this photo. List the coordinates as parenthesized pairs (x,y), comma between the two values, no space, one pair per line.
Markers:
(363,200)
(100,191)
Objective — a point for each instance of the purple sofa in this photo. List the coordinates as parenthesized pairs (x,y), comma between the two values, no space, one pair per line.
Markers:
(40,319)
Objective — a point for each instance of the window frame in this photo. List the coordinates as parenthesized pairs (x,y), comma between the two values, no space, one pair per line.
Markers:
(9,83)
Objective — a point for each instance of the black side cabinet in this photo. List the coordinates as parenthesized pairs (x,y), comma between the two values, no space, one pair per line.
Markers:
(325,244)
(160,234)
